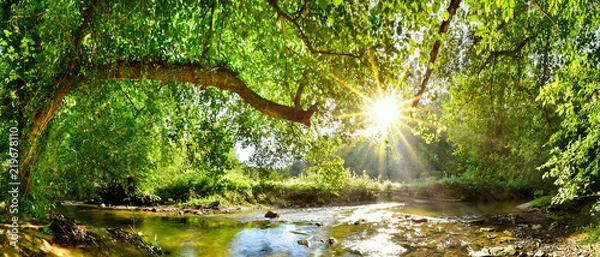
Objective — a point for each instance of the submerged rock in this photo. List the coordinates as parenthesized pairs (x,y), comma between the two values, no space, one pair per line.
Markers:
(305,242)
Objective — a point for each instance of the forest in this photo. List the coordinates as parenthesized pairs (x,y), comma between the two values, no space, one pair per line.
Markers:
(283,102)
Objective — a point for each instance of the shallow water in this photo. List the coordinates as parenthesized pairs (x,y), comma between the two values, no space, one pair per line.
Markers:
(388,229)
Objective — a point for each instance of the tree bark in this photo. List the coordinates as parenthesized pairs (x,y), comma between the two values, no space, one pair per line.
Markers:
(219,77)
(434,52)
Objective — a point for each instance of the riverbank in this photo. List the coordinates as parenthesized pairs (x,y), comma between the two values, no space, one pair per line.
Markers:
(548,229)
(416,228)
(438,227)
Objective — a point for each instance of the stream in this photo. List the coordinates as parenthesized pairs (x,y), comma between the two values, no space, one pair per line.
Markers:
(418,228)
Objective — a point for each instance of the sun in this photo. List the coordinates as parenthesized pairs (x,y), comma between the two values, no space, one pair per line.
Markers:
(383,113)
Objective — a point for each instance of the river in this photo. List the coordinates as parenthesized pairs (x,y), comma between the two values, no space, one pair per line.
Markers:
(418,228)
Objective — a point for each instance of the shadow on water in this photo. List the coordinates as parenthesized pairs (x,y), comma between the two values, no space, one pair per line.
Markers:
(391,229)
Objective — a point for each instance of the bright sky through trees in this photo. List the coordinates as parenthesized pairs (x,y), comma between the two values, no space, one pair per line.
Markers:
(383,113)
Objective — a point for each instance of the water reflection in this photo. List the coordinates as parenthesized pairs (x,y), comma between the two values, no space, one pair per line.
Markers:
(278,240)
(393,229)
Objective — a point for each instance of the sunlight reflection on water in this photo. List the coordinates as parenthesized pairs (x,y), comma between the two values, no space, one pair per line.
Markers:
(389,229)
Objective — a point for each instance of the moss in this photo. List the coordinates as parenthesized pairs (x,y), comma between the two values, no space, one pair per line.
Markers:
(543,201)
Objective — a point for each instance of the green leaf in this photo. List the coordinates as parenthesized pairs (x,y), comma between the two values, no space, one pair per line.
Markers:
(323,4)
(337,2)
(445,15)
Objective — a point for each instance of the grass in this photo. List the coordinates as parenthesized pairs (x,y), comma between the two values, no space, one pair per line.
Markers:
(592,232)
(237,189)
(240,188)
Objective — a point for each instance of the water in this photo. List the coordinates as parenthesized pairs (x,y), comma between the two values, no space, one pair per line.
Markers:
(390,229)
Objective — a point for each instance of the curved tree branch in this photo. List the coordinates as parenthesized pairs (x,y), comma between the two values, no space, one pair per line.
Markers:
(309,45)
(509,53)
(434,52)
(219,77)
(298,13)
(546,14)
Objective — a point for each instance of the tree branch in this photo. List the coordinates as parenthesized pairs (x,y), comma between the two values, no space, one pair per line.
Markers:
(434,52)
(546,14)
(87,17)
(298,13)
(219,77)
(309,45)
(298,96)
(513,52)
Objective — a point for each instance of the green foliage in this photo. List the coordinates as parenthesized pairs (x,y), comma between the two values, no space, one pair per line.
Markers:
(103,150)
(592,232)
(543,201)
(328,168)
(143,140)
(574,161)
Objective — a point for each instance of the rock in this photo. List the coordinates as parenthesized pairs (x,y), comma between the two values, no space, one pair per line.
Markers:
(331,241)
(536,226)
(554,225)
(486,229)
(319,224)
(90,201)
(214,205)
(494,251)
(102,205)
(524,206)
(419,220)
(304,242)
(475,221)
(360,221)
(271,214)
(481,253)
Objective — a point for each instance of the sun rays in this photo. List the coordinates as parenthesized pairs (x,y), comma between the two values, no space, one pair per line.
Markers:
(386,116)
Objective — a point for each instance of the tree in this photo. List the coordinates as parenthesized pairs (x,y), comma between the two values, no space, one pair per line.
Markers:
(304,62)
(51,49)
(282,58)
